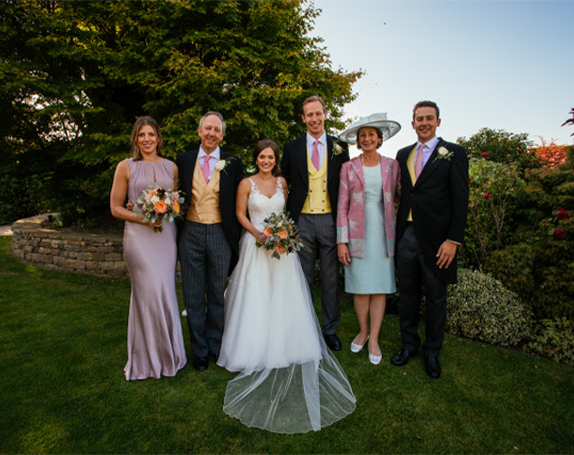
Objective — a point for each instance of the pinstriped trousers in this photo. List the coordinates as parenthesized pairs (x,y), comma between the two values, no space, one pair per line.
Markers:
(205,257)
(319,238)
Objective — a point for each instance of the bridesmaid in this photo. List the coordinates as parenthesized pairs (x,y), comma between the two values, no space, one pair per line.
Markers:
(155,341)
(366,227)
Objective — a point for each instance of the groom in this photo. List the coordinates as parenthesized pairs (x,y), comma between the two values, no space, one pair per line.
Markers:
(430,227)
(311,165)
(209,237)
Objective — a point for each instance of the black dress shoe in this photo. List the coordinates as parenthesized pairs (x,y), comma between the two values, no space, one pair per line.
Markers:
(214,355)
(402,357)
(432,366)
(333,342)
(200,363)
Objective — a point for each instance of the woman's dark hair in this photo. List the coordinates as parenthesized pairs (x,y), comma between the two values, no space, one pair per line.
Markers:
(140,122)
(262,145)
(379,134)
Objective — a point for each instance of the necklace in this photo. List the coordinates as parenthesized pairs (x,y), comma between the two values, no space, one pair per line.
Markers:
(374,171)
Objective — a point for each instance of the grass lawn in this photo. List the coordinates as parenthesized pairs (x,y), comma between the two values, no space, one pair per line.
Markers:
(62,387)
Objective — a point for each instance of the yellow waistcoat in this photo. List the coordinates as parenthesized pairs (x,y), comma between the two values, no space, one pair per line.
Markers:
(204,206)
(318,196)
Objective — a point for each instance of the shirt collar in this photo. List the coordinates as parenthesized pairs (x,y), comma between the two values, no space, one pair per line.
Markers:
(322,140)
(430,144)
(215,154)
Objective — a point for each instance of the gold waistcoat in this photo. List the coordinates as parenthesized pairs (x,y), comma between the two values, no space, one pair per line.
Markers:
(318,196)
(204,206)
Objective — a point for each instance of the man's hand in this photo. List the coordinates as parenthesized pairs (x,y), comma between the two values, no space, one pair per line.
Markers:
(446,254)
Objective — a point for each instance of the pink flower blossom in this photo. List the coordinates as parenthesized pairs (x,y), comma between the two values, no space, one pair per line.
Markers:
(484,155)
(559,233)
(487,195)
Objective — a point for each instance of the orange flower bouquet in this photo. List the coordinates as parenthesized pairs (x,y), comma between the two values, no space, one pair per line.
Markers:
(157,203)
(281,235)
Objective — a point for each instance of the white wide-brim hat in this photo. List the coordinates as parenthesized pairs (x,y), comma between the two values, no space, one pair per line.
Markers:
(379,120)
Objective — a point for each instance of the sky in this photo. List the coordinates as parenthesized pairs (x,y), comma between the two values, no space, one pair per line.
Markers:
(506,65)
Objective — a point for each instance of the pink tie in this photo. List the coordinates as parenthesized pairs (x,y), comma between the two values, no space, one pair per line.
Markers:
(205,168)
(419,161)
(315,158)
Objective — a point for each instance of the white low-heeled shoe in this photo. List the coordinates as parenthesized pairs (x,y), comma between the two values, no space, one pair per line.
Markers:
(375,359)
(359,347)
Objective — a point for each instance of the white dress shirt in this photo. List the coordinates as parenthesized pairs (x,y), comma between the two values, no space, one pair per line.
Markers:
(431,145)
(321,146)
(212,162)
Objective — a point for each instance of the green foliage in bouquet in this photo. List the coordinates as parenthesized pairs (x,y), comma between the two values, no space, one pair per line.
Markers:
(481,308)
(553,339)
(281,235)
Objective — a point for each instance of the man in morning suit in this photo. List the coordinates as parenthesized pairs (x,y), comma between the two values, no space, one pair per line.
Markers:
(311,165)
(430,227)
(209,237)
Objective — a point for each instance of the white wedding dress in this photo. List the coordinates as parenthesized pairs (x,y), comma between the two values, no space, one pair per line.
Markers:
(290,382)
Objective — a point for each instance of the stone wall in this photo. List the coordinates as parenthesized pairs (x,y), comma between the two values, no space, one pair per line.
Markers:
(78,252)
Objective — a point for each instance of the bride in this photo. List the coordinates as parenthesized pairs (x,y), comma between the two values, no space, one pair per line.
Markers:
(289,381)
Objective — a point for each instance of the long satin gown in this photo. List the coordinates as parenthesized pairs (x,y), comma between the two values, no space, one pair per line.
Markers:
(155,340)
(289,381)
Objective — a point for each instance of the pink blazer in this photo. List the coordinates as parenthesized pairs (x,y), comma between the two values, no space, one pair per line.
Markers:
(351,205)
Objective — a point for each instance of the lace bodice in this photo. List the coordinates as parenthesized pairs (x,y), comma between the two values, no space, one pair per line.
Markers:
(260,206)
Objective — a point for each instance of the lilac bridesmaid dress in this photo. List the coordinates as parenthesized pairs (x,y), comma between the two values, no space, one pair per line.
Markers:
(155,340)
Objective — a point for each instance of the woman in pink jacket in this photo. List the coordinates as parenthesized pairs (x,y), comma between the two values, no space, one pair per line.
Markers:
(366,226)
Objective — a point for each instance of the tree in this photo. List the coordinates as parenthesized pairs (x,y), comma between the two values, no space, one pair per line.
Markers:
(550,154)
(502,147)
(75,76)
(570,121)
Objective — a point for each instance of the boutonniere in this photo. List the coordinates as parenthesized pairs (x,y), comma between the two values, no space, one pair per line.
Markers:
(337,149)
(222,164)
(443,154)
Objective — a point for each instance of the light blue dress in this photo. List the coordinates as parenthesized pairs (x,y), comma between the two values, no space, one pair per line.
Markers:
(375,272)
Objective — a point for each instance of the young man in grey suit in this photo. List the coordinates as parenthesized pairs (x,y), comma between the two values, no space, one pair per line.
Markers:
(430,227)
(311,165)
(209,235)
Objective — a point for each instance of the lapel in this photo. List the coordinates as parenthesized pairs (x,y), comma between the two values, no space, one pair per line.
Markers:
(431,165)
(224,175)
(328,156)
(403,159)
(387,177)
(301,157)
(190,166)
(357,168)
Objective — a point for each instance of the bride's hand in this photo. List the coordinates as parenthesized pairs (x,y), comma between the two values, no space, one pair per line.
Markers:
(260,239)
